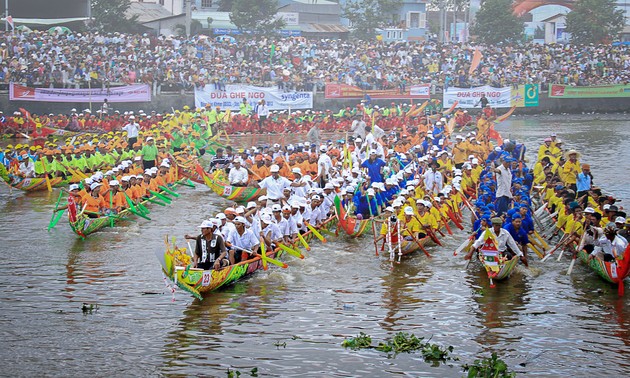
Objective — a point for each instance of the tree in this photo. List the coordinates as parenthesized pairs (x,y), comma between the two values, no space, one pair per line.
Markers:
(594,21)
(225,5)
(258,16)
(368,15)
(495,23)
(109,16)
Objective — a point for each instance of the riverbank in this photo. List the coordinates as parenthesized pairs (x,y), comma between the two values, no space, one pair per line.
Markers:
(166,101)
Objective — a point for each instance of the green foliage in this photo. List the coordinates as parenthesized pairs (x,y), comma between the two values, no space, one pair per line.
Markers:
(489,367)
(368,15)
(594,21)
(402,342)
(258,16)
(495,23)
(109,15)
(225,5)
(360,342)
(236,373)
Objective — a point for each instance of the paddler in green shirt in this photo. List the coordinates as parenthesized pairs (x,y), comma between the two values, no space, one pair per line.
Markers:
(149,154)
(198,143)
(178,138)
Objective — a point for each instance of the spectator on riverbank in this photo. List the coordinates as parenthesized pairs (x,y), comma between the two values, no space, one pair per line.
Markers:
(76,59)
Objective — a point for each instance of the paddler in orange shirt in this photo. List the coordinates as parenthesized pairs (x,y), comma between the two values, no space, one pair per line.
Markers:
(114,199)
(94,203)
(259,169)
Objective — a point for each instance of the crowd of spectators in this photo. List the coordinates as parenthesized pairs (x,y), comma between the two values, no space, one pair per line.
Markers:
(174,63)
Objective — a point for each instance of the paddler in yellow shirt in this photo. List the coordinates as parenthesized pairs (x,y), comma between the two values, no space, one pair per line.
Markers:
(424,217)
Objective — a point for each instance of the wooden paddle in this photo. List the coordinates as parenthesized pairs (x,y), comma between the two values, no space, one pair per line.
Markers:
(50,225)
(303,241)
(290,250)
(417,242)
(167,190)
(46,174)
(316,233)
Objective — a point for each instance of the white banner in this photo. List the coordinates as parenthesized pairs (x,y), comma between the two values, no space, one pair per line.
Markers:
(234,94)
(127,93)
(469,97)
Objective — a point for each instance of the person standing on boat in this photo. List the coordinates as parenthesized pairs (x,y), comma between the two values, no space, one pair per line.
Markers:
(609,247)
(149,154)
(584,182)
(210,251)
(374,166)
(133,130)
(570,170)
(505,242)
(504,186)
(275,185)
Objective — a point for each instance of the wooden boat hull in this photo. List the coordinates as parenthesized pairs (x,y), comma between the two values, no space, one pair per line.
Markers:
(199,282)
(236,193)
(188,172)
(502,270)
(354,227)
(609,271)
(32,184)
(85,226)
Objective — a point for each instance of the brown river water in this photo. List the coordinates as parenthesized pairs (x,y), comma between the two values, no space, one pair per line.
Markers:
(291,322)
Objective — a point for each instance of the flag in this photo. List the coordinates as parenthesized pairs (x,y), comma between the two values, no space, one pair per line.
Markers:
(272,52)
(475,61)
(10,22)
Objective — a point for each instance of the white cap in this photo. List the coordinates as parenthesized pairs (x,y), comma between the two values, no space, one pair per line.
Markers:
(408,210)
(589,210)
(221,216)
(73,187)
(329,185)
(251,204)
(263,198)
(390,209)
(240,220)
(276,207)
(113,182)
(606,206)
(475,161)
(620,220)
(296,170)
(125,178)
(149,138)
(322,148)
(95,185)
(206,224)
(316,197)
(267,218)
(274,168)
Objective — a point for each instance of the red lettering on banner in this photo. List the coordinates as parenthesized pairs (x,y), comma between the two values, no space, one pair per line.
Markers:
(218,95)
(237,95)
(256,95)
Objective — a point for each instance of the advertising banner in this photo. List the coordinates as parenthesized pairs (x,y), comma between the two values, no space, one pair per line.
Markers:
(603,91)
(345,91)
(128,93)
(234,94)
(506,97)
